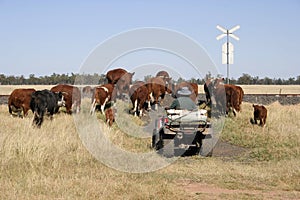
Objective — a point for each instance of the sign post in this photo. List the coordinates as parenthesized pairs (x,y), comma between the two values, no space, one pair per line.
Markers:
(227,48)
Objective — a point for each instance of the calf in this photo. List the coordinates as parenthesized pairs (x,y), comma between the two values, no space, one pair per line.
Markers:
(71,95)
(139,95)
(110,116)
(103,95)
(19,100)
(156,88)
(44,101)
(260,113)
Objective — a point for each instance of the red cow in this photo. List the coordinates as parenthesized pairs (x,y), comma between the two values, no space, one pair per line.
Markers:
(193,87)
(240,92)
(102,95)
(156,88)
(71,97)
(260,113)
(234,95)
(165,76)
(139,95)
(121,78)
(19,100)
(109,116)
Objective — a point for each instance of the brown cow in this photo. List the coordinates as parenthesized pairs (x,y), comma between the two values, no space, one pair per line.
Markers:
(193,87)
(167,79)
(103,94)
(110,116)
(234,95)
(121,78)
(240,95)
(19,100)
(139,95)
(156,88)
(87,91)
(208,87)
(260,113)
(71,96)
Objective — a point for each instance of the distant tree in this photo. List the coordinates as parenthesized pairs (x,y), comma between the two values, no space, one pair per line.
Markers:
(297,80)
(268,81)
(179,80)
(246,79)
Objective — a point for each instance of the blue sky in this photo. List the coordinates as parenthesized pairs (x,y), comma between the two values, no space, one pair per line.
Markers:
(41,38)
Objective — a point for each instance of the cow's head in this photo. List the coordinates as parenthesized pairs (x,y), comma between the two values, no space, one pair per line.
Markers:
(59,98)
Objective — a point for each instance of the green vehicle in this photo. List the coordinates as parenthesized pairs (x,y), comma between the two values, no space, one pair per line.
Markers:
(182,132)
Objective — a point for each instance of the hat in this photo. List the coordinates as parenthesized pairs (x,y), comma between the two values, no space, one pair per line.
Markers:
(184,91)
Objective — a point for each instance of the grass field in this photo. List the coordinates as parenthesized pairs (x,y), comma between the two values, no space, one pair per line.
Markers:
(248,89)
(53,163)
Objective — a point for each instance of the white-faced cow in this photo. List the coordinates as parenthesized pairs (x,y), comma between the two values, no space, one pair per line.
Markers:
(71,95)
(139,96)
(122,79)
(156,88)
(19,100)
(42,102)
(103,95)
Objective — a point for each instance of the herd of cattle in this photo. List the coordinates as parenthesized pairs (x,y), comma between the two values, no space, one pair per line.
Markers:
(143,95)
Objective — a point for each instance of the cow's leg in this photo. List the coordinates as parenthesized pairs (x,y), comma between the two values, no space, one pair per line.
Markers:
(93,107)
(255,120)
(135,107)
(103,105)
(40,118)
(261,123)
(25,111)
(156,103)
(151,100)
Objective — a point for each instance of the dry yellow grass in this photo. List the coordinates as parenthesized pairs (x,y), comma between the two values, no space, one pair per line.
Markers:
(271,89)
(52,162)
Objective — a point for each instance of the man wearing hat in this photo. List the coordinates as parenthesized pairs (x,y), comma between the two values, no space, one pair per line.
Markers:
(183,100)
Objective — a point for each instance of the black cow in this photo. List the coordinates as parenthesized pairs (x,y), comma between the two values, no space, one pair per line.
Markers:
(44,101)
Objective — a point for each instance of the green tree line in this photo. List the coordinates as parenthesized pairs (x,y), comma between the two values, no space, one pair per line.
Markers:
(95,79)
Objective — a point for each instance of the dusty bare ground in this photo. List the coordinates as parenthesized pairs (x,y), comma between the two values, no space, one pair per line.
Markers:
(207,191)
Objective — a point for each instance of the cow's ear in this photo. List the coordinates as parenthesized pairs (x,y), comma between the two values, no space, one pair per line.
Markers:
(132,74)
(60,95)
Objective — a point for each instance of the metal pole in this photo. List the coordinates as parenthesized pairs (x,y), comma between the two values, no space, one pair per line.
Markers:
(227,56)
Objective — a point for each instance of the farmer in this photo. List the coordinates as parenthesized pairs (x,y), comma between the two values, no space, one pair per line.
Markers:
(183,100)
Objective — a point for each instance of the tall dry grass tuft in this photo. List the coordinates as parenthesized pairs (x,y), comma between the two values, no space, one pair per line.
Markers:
(278,140)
